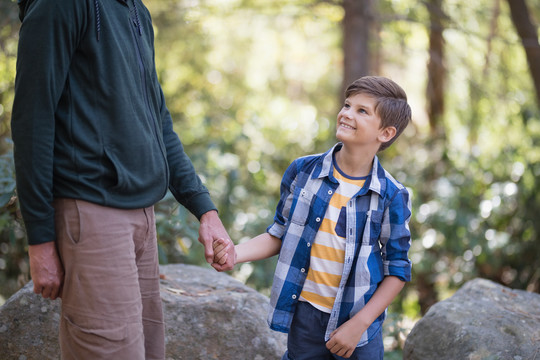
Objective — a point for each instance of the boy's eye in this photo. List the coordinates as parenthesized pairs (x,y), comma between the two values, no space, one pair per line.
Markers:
(362,111)
(346,106)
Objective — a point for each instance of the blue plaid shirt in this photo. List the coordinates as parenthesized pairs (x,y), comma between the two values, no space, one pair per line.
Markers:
(377,239)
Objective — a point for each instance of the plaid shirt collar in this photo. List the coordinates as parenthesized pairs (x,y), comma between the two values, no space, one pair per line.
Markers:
(326,169)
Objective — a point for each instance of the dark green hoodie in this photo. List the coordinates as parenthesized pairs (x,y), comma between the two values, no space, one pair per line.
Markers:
(89,117)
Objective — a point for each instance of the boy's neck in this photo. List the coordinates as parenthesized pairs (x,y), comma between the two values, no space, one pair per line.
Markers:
(354,163)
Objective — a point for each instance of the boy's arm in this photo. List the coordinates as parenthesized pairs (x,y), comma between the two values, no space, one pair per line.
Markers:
(267,244)
(260,247)
(344,339)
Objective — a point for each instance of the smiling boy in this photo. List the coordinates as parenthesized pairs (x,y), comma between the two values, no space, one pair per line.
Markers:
(341,231)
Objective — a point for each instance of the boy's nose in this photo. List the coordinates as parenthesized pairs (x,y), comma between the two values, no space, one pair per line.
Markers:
(346,113)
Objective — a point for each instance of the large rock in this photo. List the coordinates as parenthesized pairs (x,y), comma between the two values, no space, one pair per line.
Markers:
(482,320)
(208,315)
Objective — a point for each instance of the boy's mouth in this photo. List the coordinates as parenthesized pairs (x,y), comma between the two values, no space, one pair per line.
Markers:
(346,126)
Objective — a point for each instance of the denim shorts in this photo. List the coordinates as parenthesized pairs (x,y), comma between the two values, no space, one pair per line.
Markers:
(306,338)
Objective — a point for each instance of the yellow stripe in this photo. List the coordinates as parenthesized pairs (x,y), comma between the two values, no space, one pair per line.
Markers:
(328,226)
(323,278)
(324,301)
(338,200)
(327,253)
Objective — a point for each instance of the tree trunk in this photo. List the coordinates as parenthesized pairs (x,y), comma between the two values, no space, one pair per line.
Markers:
(425,284)
(492,34)
(436,69)
(528,33)
(357,24)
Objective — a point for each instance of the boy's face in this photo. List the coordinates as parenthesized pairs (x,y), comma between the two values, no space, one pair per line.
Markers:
(358,124)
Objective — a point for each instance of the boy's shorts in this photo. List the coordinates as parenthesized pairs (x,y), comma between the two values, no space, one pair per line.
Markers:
(306,338)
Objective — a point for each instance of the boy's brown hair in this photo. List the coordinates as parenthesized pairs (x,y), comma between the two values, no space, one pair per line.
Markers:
(390,102)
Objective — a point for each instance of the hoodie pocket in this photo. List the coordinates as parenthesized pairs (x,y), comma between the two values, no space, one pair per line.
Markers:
(114,170)
(134,169)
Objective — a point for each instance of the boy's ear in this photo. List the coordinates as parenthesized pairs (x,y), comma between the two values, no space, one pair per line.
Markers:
(387,134)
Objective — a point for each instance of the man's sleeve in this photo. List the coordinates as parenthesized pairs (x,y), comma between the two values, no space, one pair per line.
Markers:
(48,37)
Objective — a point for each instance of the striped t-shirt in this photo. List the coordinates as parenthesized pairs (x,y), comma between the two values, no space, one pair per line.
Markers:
(328,251)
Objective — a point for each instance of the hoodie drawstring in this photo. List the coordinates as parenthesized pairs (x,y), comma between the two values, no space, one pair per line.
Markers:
(98,20)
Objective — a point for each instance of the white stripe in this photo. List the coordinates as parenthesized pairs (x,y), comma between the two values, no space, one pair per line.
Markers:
(332,213)
(327,266)
(327,239)
(348,190)
(322,290)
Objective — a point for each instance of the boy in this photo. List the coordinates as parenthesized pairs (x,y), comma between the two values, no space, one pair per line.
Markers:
(341,231)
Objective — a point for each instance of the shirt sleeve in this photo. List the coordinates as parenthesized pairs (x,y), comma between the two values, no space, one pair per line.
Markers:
(281,217)
(48,38)
(397,241)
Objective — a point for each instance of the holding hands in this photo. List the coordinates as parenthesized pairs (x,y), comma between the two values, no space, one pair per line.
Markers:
(223,254)
(211,229)
(221,251)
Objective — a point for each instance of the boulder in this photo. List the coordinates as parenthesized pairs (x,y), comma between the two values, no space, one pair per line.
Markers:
(29,326)
(208,315)
(482,320)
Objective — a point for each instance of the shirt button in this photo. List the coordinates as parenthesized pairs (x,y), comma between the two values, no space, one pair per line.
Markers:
(330,192)
(308,244)
(294,296)
(303,270)
(318,219)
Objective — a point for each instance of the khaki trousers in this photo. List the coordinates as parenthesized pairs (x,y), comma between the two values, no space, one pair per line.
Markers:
(111,306)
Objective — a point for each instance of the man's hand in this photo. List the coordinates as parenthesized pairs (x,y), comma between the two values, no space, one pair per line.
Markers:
(46,270)
(212,229)
(344,339)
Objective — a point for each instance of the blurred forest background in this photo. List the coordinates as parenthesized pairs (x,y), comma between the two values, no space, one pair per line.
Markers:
(253,84)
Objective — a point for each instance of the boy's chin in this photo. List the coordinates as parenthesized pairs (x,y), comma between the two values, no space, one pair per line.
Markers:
(341,137)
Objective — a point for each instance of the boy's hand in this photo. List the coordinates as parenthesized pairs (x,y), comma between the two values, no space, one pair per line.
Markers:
(221,248)
(344,339)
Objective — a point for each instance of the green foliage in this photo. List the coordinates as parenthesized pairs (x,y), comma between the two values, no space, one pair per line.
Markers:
(13,262)
(7,179)
(9,25)
(177,233)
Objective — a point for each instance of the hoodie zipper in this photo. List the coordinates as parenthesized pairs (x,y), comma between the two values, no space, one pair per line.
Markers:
(142,70)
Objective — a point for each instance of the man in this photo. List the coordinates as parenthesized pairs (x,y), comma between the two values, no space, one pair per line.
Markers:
(94,151)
